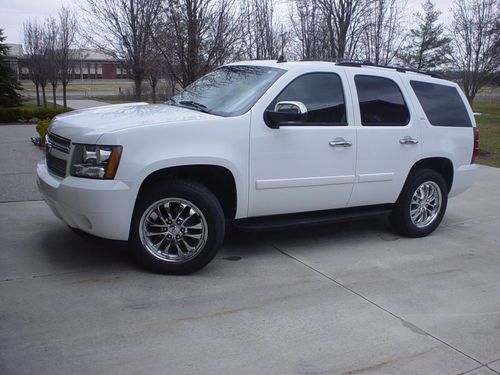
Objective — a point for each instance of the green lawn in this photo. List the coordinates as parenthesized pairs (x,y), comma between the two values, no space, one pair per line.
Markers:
(489,133)
(32,104)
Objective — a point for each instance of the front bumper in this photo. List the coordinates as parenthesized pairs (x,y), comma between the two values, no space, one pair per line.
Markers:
(100,207)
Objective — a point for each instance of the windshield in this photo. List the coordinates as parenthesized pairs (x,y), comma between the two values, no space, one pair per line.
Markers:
(229,90)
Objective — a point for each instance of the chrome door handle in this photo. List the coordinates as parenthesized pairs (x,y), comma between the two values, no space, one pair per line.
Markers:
(408,140)
(340,142)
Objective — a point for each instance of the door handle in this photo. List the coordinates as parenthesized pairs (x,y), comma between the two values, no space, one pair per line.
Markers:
(408,140)
(340,142)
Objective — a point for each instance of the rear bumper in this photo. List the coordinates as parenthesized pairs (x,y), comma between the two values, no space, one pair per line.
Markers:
(463,179)
(100,207)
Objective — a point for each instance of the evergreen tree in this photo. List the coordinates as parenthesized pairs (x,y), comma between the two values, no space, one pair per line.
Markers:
(9,97)
(427,47)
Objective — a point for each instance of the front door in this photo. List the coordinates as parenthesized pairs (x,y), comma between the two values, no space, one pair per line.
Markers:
(309,165)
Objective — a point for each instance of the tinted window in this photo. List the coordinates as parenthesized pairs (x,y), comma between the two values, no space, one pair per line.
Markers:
(322,95)
(442,105)
(380,102)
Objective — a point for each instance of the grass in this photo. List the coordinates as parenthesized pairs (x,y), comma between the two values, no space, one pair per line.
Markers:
(91,85)
(32,104)
(112,99)
(489,133)
(115,99)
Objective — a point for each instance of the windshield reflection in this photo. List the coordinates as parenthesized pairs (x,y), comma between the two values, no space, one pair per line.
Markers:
(229,90)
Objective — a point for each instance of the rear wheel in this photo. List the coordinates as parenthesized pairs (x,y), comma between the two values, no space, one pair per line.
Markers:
(421,204)
(177,228)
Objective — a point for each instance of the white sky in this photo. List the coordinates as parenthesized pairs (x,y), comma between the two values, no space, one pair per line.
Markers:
(14,12)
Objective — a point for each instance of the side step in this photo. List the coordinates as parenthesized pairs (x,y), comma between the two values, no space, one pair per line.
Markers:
(276,222)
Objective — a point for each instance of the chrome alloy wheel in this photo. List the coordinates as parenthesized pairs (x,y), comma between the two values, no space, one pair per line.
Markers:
(425,204)
(173,230)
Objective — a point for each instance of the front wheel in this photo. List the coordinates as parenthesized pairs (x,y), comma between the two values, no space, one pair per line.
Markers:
(177,227)
(421,204)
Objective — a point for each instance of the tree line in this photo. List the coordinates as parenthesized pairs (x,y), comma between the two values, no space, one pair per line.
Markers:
(181,40)
(49,50)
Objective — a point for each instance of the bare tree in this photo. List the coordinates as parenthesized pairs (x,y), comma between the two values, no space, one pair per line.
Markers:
(50,35)
(68,28)
(309,29)
(36,59)
(197,36)
(345,22)
(261,38)
(122,28)
(154,67)
(475,43)
(383,33)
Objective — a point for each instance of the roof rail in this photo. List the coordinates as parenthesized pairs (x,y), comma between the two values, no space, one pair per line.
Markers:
(359,64)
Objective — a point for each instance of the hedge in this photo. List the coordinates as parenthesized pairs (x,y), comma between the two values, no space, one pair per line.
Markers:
(28,114)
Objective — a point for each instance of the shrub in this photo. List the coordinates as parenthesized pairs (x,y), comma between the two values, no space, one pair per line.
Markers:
(41,128)
(27,114)
(10,114)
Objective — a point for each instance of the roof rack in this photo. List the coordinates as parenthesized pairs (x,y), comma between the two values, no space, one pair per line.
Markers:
(359,64)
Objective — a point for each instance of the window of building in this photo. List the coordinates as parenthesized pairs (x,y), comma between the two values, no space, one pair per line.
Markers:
(25,73)
(381,102)
(321,93)
(442,104)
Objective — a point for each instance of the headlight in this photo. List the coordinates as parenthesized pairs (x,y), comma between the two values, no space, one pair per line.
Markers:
(94,161)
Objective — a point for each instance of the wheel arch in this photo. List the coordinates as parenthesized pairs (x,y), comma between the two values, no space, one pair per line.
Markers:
(441,165)
(218,179)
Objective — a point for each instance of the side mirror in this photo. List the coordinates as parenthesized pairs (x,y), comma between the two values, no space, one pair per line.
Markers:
(285,113)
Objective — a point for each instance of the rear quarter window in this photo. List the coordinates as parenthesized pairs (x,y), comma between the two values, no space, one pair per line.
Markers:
(442,104)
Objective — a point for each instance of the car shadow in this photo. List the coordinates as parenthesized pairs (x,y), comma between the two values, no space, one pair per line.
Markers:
(69,250)
(237,240)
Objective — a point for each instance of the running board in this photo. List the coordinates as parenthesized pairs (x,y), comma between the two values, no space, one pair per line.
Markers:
(275,222)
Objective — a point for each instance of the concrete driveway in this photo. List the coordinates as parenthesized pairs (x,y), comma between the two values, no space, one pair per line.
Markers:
(345,299)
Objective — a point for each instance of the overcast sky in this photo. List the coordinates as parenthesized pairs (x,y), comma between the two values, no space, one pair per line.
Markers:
(14,12)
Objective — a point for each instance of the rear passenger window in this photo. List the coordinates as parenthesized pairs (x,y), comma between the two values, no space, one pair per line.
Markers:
(381,102)
(323,96)
(442,104)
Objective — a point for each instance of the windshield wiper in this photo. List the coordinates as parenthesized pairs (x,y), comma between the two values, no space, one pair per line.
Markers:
(198,106)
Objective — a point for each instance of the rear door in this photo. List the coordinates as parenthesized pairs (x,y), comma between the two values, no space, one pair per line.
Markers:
(388,136)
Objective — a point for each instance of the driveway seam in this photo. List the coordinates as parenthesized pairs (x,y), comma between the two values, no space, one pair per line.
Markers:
(403,321)
(24,200)
(480,367)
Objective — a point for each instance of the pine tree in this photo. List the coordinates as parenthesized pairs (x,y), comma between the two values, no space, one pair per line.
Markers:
(9,97)
(427,47)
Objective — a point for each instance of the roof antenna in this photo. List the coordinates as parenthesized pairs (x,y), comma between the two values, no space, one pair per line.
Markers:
(281,59)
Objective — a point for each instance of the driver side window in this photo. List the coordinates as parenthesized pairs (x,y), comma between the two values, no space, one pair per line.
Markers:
(323,96)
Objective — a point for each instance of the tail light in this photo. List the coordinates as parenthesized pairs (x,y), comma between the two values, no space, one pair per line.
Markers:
(475,150)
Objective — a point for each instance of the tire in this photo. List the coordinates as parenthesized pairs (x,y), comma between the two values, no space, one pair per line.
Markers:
(426,217)
(178,248)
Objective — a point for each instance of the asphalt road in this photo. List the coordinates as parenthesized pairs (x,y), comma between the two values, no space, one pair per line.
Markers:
(344,299)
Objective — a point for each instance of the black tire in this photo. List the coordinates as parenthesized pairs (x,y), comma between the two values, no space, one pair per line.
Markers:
(401,218)
(208,205)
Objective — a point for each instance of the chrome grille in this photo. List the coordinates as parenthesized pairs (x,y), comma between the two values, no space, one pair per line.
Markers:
(58,142)
(57,153)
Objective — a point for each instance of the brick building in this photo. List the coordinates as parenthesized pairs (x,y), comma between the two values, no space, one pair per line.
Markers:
(86,64)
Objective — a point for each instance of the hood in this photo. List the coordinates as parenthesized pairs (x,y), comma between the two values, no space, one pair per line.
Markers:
(87,125)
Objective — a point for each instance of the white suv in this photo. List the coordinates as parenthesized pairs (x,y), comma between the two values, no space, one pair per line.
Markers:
(258,145)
